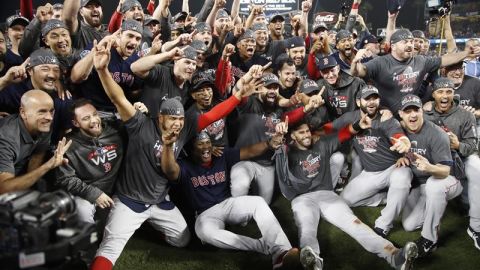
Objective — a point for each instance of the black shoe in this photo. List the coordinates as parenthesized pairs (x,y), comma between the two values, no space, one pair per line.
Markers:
(475,236)
(425,246)
(406,256)
(383,233)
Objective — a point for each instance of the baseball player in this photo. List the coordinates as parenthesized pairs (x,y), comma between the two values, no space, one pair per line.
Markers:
(206,182)
(142,187)
(430,160)
(378,149)
(304,179)
(460,126)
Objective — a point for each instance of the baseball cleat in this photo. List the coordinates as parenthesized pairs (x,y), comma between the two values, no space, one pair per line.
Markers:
(289,259)
(310,260)
(410,253)
(383,233)
(425,246)
(475,236)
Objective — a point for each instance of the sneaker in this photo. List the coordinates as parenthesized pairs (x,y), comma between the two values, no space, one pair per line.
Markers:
(474,235)
(289,259)
(405,257)
(310,260)
(383,233)
(425,246)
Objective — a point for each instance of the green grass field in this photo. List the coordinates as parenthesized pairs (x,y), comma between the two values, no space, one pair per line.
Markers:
(146,251)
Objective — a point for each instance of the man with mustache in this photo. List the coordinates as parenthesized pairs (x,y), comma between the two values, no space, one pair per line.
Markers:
(15,29)
(25,140)
(400,72)
(296,50)
(276,26)
(89,85)
(86,28)
(378,149)
(430,159)
(460,127)
(345,53)
(421,44)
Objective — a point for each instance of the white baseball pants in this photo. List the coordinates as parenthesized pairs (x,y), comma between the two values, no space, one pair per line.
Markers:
(426,205)
(472,170)
(210,226)
(85,210)
(244,172)
(309,207)
(123,222)
(364,189)
(337,160)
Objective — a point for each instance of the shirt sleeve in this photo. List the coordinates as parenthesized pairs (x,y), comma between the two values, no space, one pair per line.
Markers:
(373,68)
(468,136)
(232,156)
(391,127)
(67,179)
(7,156)
(440,148)
(134,124)
(156,74)
(432,63)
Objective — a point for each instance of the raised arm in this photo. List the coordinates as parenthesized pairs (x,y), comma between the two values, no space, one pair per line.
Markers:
(217,5)
(142,66)
(235,9)
(168,161)
(352,17)
(453,58)
(101,58)
(451,44)
(206,8)
(9,182)
(357,68)
(70,14)
(306,7)
(14,75)
(391,25)
(273,143)
(82,69)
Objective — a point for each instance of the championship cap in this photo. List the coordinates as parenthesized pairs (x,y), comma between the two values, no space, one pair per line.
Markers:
(201,79)
(418,34)
(247,35)
(51,25)
(308,86)
(202,27)
(58,6)
(132,25)
(199,45)
(401,34)
(410,100)
(180,16)
(367,91)
(343,34)
(150,19)
(172,106)
(42,56)
(202,135)
(269,79)
(258,27)
(366,40)
(190,53)
(319,26)
(128,4)
(442,82)
(222,13)
(17,19)
(86,2)
(277,17)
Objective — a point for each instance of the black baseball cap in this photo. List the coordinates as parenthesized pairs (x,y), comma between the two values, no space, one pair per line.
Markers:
(308,86)
(442,82)
(395,5)
(418,34)
(222,13)
(172,106)
(150,19)
(401,34)
(269,79)
(410,100)
(199,45)
(17,19)
(367,91)
(277,17)
(326,62)
(180,16)
(42,56)
(319,26)
(258,27)
(86,2)
(202,27)
(366,40)
(51,25)
(247,35)
(295,42)
(128,4)
(190,53)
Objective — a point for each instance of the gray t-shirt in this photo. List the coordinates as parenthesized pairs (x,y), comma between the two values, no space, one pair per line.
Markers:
(395,79)
(373,145)
(433,143)
(17,145)
(469,92)
(142,179)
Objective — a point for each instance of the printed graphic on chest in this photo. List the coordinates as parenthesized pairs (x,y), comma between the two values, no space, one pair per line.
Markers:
(369,143)
(311,165)
(208,180)
(406,79)
(103,156)
(414,148)
(339,101)
(215,130)
(271,121)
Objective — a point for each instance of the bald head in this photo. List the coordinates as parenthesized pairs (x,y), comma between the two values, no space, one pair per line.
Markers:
(36,110)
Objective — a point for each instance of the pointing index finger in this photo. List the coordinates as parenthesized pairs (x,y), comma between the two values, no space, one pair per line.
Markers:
(321,91)
(26,62)
(266,66)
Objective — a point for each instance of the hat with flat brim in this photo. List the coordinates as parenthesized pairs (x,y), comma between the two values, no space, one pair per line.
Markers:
(17,19)
(367,92)
(410,101)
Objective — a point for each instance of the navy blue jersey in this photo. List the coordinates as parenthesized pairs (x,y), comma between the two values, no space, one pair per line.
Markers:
(121,73)
(208,186)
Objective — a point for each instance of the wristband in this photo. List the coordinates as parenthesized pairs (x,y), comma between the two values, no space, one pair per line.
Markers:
(355,5)
(356,126)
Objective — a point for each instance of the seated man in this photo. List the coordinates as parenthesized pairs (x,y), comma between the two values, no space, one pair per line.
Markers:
(430,161)
(304,179)
(24,141)
(205,180)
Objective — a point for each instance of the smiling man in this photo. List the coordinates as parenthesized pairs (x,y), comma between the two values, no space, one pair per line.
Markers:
(401,73)
(122,57)
(24,140)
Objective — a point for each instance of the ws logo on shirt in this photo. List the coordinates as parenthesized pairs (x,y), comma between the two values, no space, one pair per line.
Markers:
(311,165)
(103,156)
